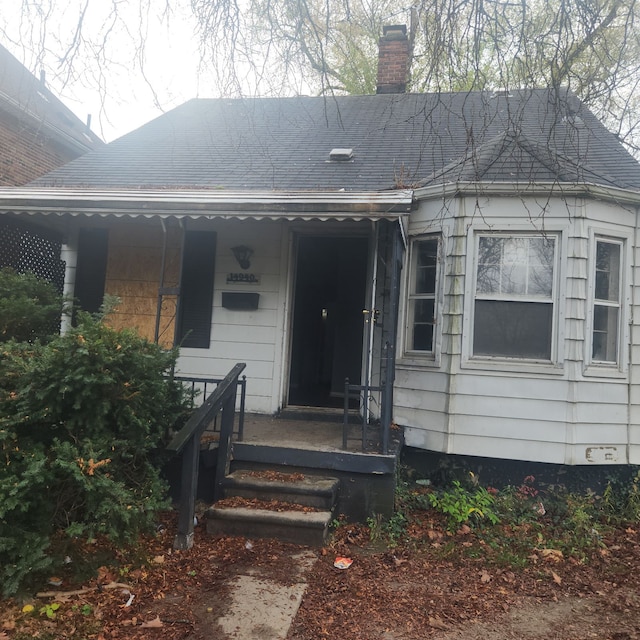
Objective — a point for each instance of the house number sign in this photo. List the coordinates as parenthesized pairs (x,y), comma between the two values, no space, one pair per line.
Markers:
(243,278)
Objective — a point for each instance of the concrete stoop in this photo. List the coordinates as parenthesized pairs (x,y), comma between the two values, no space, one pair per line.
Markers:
(300,527)
(309,491)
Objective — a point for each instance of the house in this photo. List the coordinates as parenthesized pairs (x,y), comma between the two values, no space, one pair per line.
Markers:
(37,134)
(470,258)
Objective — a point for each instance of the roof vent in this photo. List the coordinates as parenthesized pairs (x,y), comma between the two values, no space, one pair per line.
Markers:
(501,93)
(340,155)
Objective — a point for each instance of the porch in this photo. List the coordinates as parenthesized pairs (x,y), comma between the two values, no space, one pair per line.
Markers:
(218,444)
(311,443)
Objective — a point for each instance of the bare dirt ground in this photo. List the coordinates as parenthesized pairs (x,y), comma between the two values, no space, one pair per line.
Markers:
(434,585)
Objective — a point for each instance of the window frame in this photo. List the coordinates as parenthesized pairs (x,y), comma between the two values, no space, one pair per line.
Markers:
(553,299)
(412,297)
(594,366)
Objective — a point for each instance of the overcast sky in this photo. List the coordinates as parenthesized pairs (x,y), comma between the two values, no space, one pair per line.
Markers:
(116,94)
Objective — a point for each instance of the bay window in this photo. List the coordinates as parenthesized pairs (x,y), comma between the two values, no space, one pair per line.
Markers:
(514,296)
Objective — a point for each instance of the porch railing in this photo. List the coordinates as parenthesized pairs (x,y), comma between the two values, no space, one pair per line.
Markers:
(187,441)
(201,388)
(386,390)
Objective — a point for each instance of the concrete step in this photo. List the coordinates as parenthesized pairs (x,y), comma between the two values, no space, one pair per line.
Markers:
(299,527)
(309,491)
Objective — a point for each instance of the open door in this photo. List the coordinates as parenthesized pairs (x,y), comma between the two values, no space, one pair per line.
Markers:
(327,333)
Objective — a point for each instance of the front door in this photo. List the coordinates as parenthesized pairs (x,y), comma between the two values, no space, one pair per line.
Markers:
(327,331)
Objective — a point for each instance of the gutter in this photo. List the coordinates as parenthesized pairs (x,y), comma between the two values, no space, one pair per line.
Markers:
(551,188)
(206,203)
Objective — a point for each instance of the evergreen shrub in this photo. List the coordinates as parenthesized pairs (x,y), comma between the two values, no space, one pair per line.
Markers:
(83,424)
(30,308)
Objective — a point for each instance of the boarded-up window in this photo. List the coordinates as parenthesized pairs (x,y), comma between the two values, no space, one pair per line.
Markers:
(196,291)
(91,268)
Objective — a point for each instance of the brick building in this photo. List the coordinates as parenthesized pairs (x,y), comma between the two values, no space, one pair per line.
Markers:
(37,131)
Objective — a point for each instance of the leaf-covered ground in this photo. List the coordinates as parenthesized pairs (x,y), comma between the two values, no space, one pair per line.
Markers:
(434,585)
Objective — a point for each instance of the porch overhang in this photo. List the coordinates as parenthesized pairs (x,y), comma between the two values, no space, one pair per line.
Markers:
(208,204)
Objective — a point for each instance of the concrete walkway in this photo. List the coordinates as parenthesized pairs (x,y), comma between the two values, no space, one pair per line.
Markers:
(263,609)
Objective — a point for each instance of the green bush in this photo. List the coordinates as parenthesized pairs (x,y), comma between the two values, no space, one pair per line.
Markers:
(83,422)
(621,500)
(30,308)
(461,505)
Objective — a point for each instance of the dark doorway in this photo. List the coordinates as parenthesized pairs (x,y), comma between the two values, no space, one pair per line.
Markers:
(91,269)
(327,319)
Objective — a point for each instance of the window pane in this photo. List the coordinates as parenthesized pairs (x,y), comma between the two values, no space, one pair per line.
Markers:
(513,329)
(514,278)
(514,269)
(423,325)
(489,263)
(426,265)
(605,334)
(515,266)
(607,271)
(541,280)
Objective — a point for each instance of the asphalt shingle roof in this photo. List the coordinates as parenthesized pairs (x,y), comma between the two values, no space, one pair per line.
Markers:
(398,140)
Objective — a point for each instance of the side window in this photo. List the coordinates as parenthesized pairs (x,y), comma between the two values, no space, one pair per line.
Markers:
(606,302)
(422,295)
(514,296)
(196,291)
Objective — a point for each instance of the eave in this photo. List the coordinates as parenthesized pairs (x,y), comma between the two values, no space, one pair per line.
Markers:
(207,204)
(514,189)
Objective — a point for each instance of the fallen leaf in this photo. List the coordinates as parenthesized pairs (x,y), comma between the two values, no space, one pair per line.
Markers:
(556,578)
(464,530)
(552,555)
(9,625)
(156,622)
(398,561)
(158,560)
(437,623)
(485,577)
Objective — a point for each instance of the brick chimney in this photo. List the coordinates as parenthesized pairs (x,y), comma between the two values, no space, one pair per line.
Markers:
(393,59)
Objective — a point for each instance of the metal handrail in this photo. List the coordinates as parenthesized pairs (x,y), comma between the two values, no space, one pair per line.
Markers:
(386,390)
(187,442)
(242,383)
